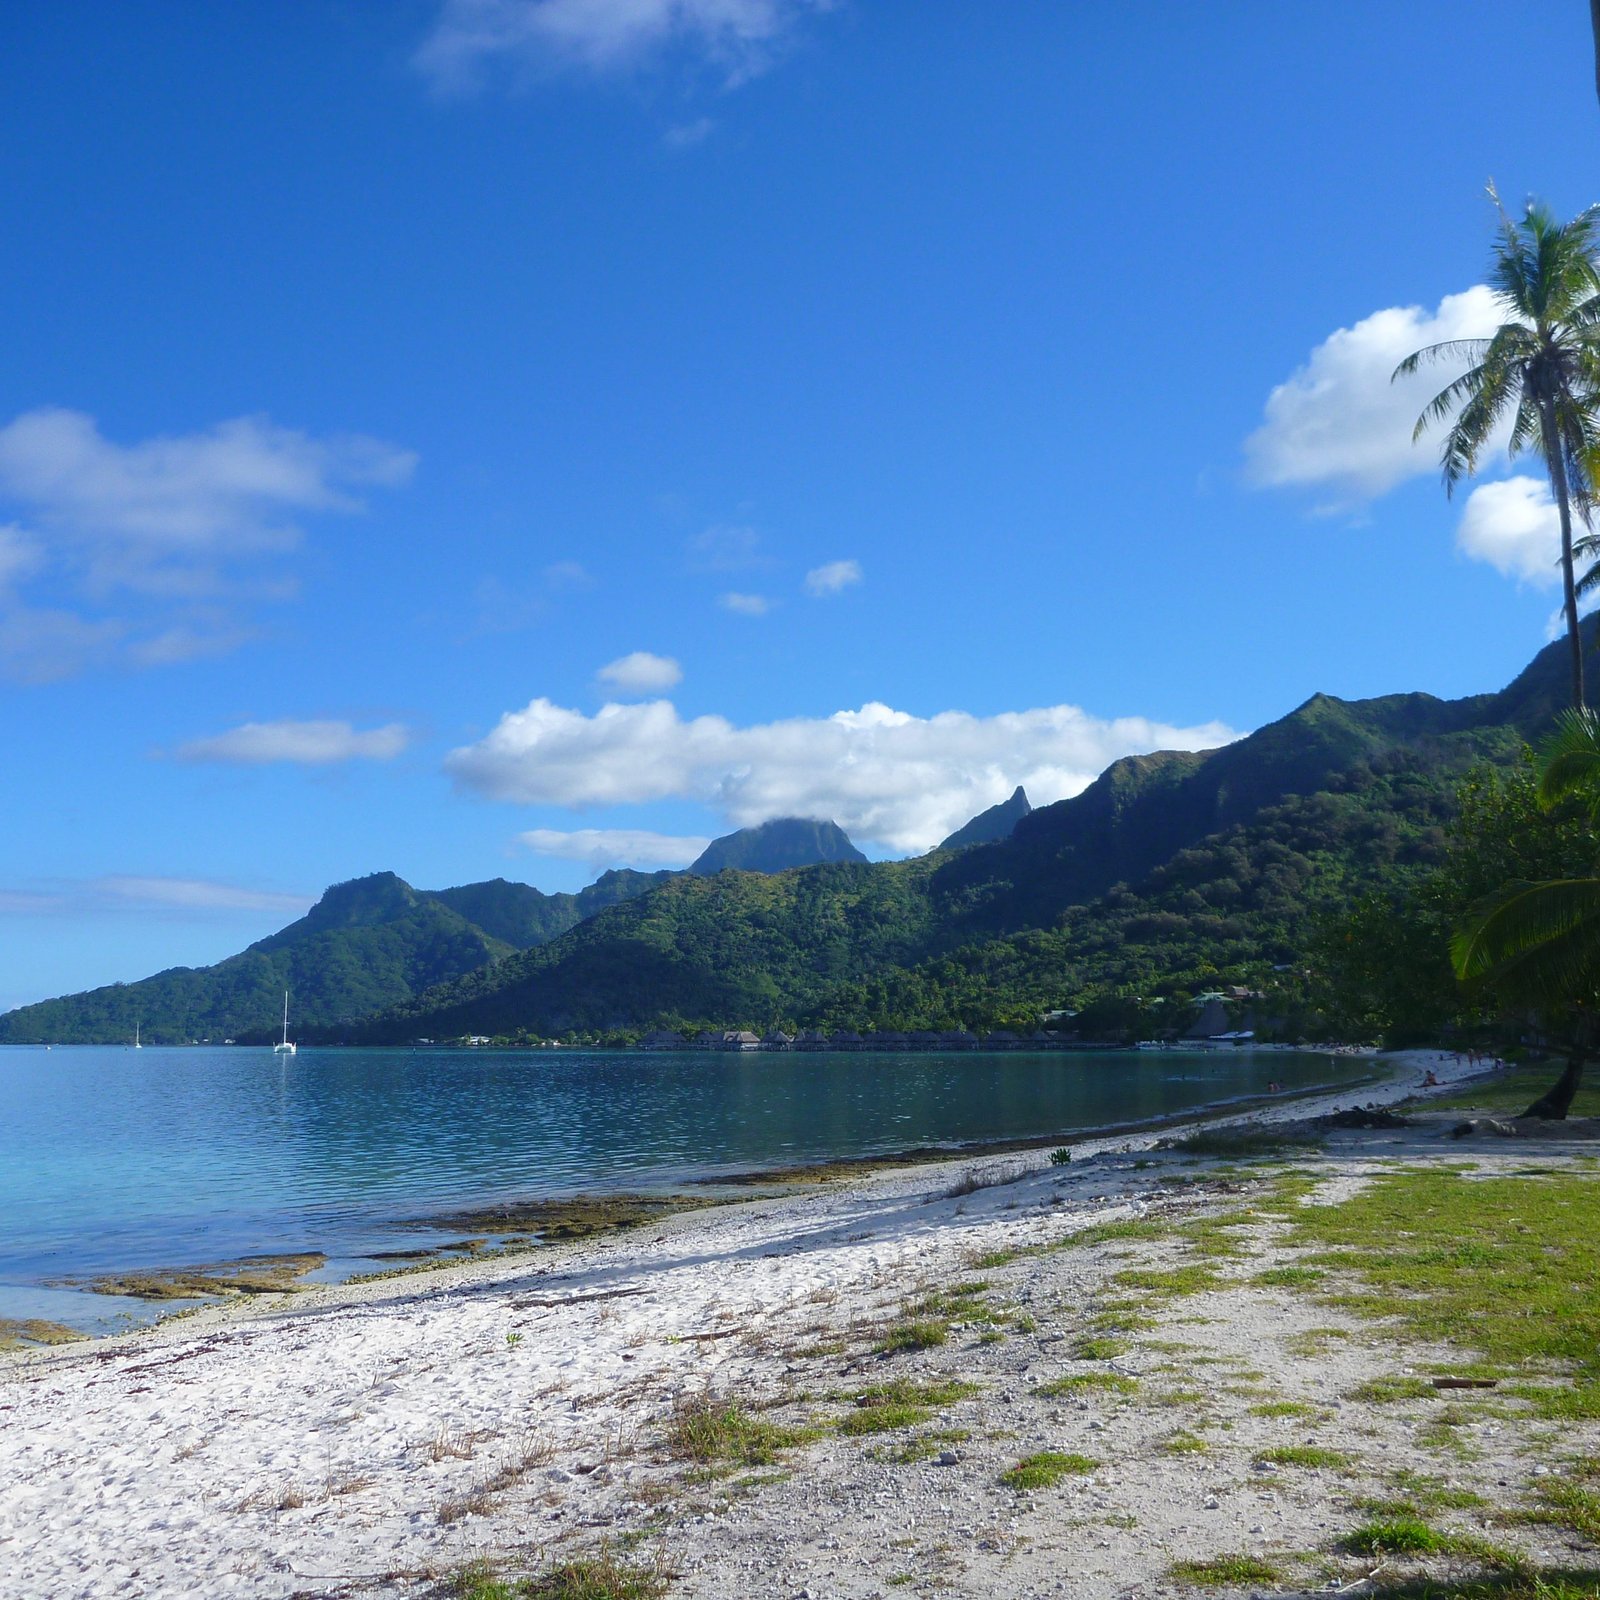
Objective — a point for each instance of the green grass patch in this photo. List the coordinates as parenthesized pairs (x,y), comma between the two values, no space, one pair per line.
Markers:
(1312,1456)
(1506,1267)
(1385,1391)
(1516,1089)
(1081,1382)
(919,1333)
(1170,1283)
(1284,1408)
(1569,1506)
(598,1577)
(1289,1277)
(1550,1584)
(1400,1536)
(987,1260)
(900,1403)
(1226,1571)
(1045,1469)
(710,1430)
(1184,1443)
(1099,1347)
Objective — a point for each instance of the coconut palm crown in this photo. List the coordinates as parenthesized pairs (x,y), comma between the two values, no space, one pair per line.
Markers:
(1541,366)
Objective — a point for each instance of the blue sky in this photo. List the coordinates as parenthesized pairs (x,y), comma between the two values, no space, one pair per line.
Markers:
(390,391)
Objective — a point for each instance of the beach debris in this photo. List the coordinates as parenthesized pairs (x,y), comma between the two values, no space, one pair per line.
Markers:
(1365,1117)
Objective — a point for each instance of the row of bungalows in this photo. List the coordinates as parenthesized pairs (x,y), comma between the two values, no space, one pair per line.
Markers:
(813,1039)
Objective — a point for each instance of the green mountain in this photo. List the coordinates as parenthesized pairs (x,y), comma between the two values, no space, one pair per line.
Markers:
(521,916)
(1169,873)
(995,823)
(777,846)
(366,945)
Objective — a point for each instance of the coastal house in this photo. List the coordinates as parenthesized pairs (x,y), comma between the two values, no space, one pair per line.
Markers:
(777,1039)
(811,1039)
(1001,1039)
(958,1039)
(663,1039)
(887,1039)
(738,1039)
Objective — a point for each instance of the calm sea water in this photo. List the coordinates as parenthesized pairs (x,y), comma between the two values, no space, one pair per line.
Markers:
(112,1159)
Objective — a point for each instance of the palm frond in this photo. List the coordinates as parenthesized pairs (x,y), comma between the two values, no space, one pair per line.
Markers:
(1540,941)
(1569,760)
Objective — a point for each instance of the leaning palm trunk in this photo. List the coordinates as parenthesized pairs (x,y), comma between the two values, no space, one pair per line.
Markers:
(1554,1106)
(1557,466)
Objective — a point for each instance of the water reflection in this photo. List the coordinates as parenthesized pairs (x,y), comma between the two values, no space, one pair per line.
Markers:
(110,1159)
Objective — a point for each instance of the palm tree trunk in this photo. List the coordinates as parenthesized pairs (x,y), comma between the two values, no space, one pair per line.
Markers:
(1553,1107)
(1557,464)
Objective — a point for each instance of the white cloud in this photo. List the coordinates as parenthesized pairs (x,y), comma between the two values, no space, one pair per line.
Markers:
(44,644)
(883,775)
(726,547)
(134,549)
(688,134)
(149,894)
(567,575)
(615,847)
(736,37)
(303,743)
(833,577)
(1339,423)
(1514,526)
(641,673)
(20,556)
(747,605)
(197,894)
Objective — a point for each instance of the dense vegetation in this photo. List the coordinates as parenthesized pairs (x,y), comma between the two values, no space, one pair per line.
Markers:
(368,944)
(1171,874)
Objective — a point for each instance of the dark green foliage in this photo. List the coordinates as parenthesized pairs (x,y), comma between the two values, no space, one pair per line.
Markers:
(366,945)
(1387,960)
(522,916)
(1172,874)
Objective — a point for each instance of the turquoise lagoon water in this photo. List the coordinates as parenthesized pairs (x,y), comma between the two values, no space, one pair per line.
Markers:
(113,1159)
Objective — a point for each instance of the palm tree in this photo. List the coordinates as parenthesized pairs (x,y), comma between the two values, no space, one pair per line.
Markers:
(1538,943)
(1541,365)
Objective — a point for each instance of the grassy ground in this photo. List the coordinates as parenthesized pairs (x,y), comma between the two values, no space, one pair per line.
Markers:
(1518,1087)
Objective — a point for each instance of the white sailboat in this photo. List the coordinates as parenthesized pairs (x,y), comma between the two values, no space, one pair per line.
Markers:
(285,1048)
(136,1044)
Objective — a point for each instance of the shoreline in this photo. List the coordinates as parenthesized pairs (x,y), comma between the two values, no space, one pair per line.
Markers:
(374,1438)
(518,1239)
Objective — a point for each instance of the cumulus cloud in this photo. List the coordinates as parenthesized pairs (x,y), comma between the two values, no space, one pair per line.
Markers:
(884,775)
(1515,527)
(316,744)
(615,847)
(1339,424)
(738,38)
(142,546)
(833,577)
(747,605)
(641,673)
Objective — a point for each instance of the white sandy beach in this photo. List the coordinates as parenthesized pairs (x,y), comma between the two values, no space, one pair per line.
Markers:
(375,1438)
